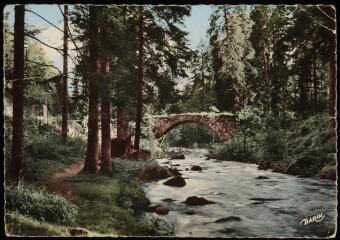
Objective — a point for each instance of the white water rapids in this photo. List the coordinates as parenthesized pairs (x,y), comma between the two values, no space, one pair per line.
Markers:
(248,207)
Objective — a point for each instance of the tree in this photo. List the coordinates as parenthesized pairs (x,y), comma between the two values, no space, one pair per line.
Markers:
(65,74)
(139,90)
(91,160)
(165,52)
(260,39)
(232,51)
(198,94)
(105,167)
(16,163)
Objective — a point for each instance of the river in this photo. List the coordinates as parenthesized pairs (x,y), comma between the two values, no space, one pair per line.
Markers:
(246,206)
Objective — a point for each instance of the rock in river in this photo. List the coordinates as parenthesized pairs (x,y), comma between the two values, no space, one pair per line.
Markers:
(190,212)
(197,201)
(168,200)
(262,177)
(177,156)
(196,168)
(162,210)
(177,181)
(153,207)
(228,219)
(329,172)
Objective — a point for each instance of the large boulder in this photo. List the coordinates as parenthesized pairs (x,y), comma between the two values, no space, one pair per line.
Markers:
(177,181)
(155,172)
(197,201)
(328,172)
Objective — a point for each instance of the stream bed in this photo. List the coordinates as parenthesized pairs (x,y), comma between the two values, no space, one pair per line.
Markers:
(244,206)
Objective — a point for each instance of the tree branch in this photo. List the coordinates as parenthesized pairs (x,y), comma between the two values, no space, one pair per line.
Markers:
(316,21)
(59,50)
(47,45)
(28,10)
(43,64)
(69,31)
(333,19)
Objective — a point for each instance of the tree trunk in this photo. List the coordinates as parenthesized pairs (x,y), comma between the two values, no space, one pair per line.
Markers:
(122,122)
(16,163)
(331,86)
(91,160)
(140,79)
(105,166)
(315,85)
(33,111)
(65,70)
(268,82)
(44,110)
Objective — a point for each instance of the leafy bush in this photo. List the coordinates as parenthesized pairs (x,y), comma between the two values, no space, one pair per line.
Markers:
(129,195)
(129,192)
(312,146)
(159,227)
(129,169)
(38,203)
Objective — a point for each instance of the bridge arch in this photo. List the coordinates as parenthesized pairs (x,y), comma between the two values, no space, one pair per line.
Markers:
(222,125)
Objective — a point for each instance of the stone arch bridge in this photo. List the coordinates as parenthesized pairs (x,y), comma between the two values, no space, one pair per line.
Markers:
(222,124)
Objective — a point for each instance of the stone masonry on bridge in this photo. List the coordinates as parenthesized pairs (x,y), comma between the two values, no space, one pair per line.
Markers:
(223,125)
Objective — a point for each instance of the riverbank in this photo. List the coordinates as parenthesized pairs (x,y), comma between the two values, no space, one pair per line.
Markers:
(298,147)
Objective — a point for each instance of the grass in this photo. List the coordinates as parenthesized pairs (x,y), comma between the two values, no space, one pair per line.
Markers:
(20,225)
(39,204)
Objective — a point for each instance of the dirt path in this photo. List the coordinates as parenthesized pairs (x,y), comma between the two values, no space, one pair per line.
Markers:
(57,182)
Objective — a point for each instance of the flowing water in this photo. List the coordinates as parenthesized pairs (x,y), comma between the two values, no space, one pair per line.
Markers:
(246,206)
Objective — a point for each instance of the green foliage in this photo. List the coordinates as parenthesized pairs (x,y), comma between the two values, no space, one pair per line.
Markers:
(36,91)
(35,202)
(45,151)
(129,169)
(283,143)
(159,227)
(129,195)
(230,29)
